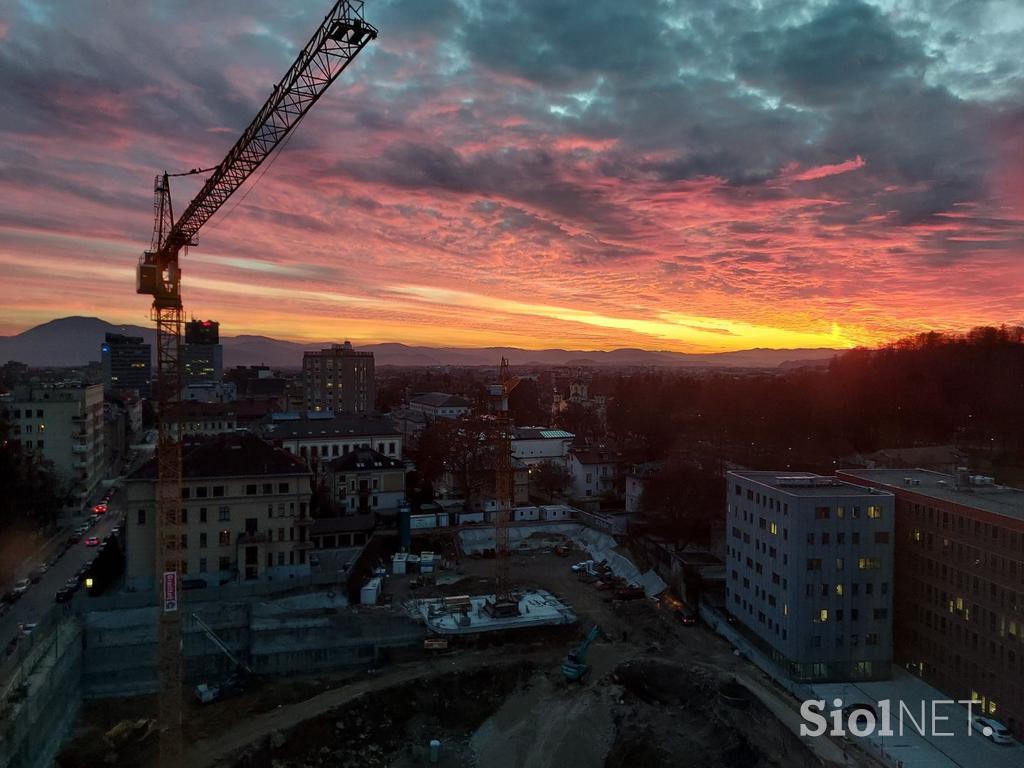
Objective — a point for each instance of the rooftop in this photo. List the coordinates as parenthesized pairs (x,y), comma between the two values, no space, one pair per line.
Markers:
(317,424)
(441,400)
(541,433)
(805,484)
(364,460)
(238,455)
(981,493)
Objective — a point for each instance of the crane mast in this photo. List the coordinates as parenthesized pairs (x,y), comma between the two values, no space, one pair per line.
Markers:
(505,603)
(336,42)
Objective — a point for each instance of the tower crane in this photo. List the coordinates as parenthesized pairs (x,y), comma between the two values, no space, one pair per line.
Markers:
(504,603)
(336,42)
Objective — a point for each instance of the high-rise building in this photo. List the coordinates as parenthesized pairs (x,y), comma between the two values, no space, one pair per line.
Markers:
(64,424)
(202,354)
(809,572)
(959,584)
(339,379)
(126,363)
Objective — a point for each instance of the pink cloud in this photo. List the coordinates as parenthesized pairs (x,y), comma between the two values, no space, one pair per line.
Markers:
(821,171)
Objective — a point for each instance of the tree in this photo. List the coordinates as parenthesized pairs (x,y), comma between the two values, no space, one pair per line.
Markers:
(550,477)
(581,421)
(683,500)
(524,404)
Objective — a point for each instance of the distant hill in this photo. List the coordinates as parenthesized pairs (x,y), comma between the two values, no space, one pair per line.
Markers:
(77,340)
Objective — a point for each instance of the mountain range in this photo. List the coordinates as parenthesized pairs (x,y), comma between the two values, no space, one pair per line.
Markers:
(73,341)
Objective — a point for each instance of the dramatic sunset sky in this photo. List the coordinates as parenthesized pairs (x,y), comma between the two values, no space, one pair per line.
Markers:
(699,175)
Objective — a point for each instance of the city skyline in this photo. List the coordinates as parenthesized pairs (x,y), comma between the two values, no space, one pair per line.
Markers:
(684,179)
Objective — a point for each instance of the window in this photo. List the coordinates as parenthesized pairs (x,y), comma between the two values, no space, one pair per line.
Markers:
(839,590)
(269,487)
(225,538)
(224,514)
(218,490)
(821,513)
(202,514)
(282,487)
(881,537)
(840,563)
(184,541)
(869,563)
(874,512)
(142,517)
(185,492)
(202,565)
(184,516)
(224,563)
(823,616)
(250,490)
(814,564)
(201,492)
(202,540)
(840,513)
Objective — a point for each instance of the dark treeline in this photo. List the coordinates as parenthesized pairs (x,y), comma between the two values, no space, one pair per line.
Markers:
(933,388)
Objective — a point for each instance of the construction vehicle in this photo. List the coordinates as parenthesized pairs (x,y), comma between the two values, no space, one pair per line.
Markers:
(235,681)
(575,665)
(336,42)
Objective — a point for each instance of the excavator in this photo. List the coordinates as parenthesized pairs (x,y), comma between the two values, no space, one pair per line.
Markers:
(575,665)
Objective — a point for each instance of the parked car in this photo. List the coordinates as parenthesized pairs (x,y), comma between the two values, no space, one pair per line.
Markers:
(584,565)
(100,508)
(21,586)
(73,583)
(26,629)
(92,541)
(11,597)
(64,594)
(35,575)
(992,729)
(686,616)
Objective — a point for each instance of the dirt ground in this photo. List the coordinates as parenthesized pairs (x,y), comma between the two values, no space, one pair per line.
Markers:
(650,699)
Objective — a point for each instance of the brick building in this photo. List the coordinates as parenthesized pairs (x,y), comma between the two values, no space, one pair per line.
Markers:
(959,603)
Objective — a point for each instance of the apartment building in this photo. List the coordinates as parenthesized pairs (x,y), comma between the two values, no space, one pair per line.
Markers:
(318,437)
(340,379)
(64,423)
(366,481)
(809,572)
(959,584)
(245,515)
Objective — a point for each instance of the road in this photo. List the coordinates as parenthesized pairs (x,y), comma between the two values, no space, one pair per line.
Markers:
(40,597)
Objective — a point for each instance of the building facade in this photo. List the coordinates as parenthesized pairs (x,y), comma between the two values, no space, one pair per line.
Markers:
(595,472)
(127,363)
(366,481)
(810,573)
(339,379)
(202,355)
(64,423)
(959,584)
(245,511)
(534,445)
(440,405)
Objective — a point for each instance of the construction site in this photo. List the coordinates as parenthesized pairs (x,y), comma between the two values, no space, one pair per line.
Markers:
(624,683)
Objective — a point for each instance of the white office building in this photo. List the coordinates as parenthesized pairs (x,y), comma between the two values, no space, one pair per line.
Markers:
(809,572)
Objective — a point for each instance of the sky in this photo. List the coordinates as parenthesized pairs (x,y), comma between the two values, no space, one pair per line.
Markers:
(691,176)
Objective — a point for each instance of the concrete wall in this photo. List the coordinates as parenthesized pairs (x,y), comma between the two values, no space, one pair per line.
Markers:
(32,729)
(292,635)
